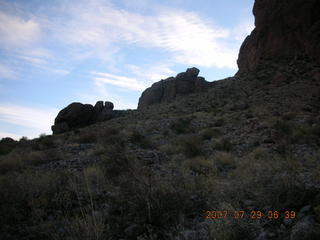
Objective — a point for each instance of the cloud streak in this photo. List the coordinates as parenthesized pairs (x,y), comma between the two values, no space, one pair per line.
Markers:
(123,82)
(37,119)
(188,38)
(6,72)
(17,32)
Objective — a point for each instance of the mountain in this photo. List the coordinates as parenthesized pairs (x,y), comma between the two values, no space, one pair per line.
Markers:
(236,158)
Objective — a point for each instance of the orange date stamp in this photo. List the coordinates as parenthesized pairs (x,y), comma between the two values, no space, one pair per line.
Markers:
(241,214)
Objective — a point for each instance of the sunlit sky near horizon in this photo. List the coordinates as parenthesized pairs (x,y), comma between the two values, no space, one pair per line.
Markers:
(56,52)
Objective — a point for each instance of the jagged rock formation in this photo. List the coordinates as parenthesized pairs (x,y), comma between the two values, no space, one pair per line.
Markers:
(284,29)
(167,90)
(78,115)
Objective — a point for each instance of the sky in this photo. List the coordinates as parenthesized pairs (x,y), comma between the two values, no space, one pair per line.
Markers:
(56,52)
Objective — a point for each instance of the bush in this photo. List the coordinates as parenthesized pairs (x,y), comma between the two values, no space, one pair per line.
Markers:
(11,162)
(181,125)
(137,138)
(189,145)
(208,133)
(87,137)
(219,122)
(283,128)
(222,144)
(224,160)
(200,165)
(7,145)
(47,142)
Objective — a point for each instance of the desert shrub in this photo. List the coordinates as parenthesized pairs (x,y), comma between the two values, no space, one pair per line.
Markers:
(219,122)
(110,131)
(167,148)
(222,144)
(115,162)
(86,137)
(148,205)
(189,145)
(316,130)
(138,138)
(200,165)
(85,226)
(224,160)
(28,199)
(305,134)
(283,128)
(272,180)
(7,145)
(259,153)
(94,177)
(110,136)
(208,133)
(47,142)
(289,116)
(300,135)
(12,197)
(181,125)
(34,158)
(11,162)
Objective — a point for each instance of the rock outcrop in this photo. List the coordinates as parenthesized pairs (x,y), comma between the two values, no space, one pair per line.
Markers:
(167,90)
(283,29)
(78,115)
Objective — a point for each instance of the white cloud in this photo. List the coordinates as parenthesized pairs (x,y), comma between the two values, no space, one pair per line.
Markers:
(38,52)
(101,79)
(60,71)
(189,38)
(15,31)
(38,119)
(6,72)
(34,60)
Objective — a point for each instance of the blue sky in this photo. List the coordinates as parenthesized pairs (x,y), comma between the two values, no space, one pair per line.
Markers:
(56,52)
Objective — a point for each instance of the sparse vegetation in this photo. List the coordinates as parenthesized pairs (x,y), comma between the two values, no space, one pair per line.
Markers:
(153,174)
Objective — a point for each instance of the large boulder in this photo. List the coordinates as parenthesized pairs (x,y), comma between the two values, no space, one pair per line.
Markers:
(103,112)
(167,90)
(283,29)
(78,115)
(73,116)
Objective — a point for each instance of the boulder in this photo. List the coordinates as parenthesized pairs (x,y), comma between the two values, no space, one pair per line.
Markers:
(60,128)
(75,115)
(98,106)
(166,90)
(283,29)
(108,105)
(78,115)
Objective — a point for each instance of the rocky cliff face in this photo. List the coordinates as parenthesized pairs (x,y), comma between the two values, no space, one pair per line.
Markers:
(284,29)
(167,90)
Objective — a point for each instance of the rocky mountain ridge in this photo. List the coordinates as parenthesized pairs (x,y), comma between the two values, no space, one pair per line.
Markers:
(167,90)
(283,29)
